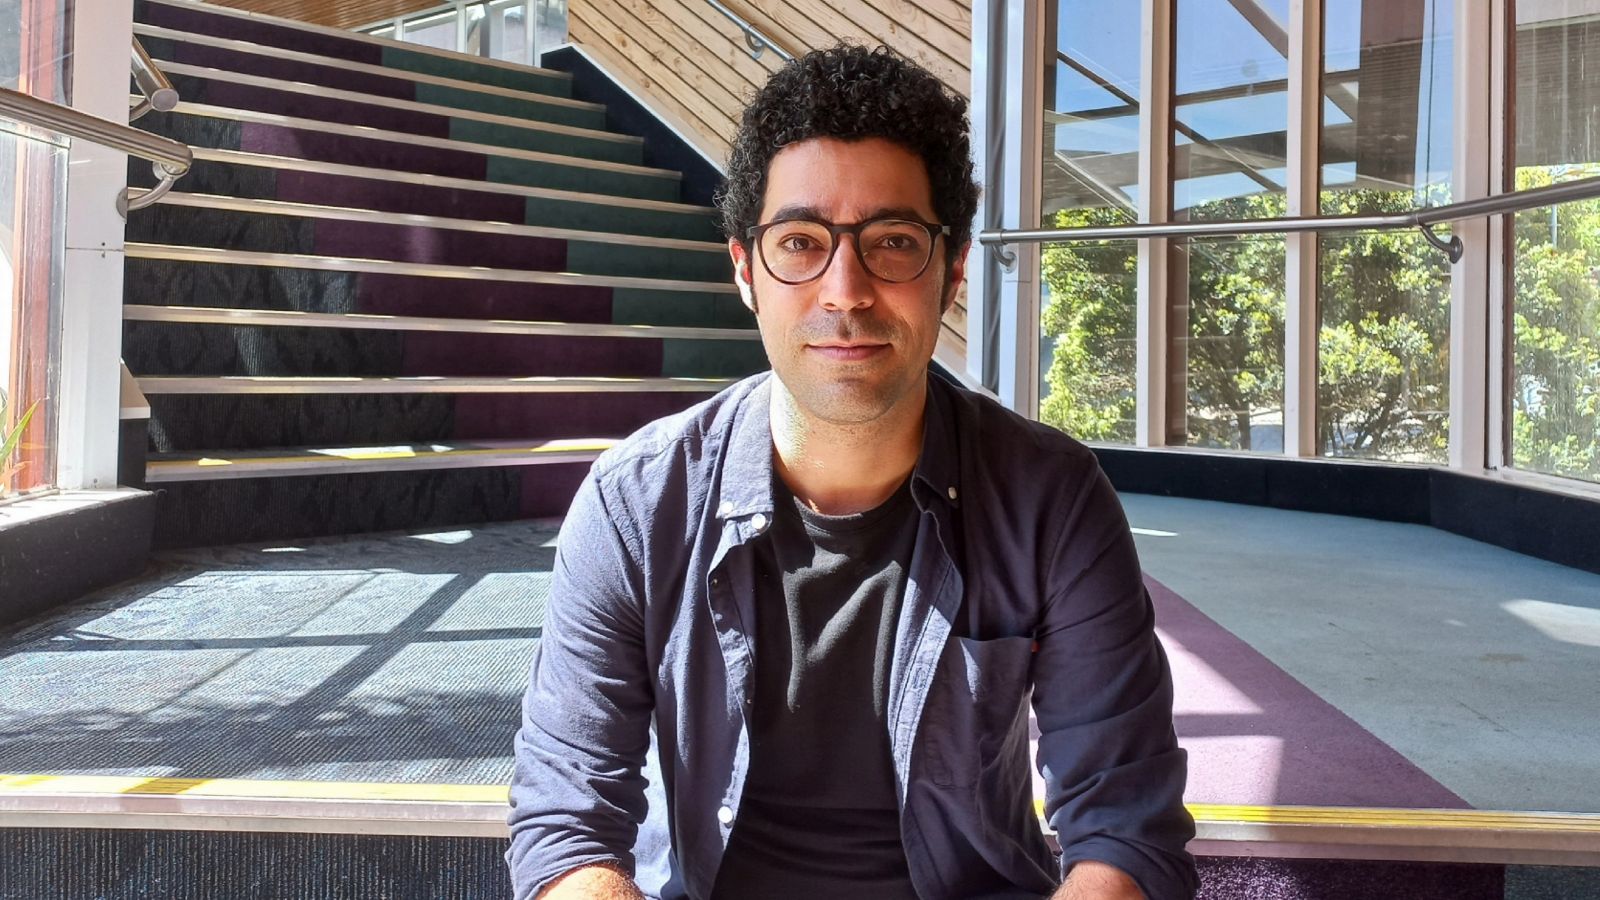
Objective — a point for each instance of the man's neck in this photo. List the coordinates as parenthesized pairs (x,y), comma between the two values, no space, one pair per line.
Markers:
(840,469)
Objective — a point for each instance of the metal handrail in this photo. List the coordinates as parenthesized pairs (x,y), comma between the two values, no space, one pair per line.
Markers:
(754,40)
(169,159)
(1423,219)
(159,94)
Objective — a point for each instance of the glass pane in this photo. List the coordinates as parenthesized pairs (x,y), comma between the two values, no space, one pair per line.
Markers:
(1555,274)
(1088,334)
(1228,339)
(434,31)
(1230,110)
(1384,298)
(508,33)
(386,32)
(32,48)
(1091,154)
(549,25)
(1230,137)
(32,199)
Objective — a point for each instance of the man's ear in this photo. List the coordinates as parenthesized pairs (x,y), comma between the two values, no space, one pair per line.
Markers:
(742,277)
(954,277)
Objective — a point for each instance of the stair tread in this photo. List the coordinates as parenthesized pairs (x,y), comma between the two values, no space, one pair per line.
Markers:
(198,465)
(157,31)
(320,211)
(359,37)
(269,161)
(303,87)
(419,384)
(208,315)
(176,253)
(367,132)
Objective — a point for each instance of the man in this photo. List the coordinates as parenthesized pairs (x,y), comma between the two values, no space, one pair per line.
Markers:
(792,632)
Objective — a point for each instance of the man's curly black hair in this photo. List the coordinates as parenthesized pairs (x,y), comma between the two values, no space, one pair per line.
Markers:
(851,92)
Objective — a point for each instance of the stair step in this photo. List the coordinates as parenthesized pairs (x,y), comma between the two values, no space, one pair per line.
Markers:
(297,66)
(264,176)
(234,90)
(292,318)
(232,129)
(205,422)
(285,33)
(542,384)
(162,282)
(215,465)
(280,227)
(294,350)
(218,256)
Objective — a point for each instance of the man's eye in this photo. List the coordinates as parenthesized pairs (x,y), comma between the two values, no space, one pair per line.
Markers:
(897,242)
(797,243)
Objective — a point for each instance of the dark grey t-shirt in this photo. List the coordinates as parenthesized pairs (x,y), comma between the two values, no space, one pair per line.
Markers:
(819,817)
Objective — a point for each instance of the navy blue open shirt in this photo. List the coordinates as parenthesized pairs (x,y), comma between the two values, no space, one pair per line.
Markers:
(1024,578)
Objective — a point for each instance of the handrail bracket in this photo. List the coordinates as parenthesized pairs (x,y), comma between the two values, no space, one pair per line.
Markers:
(1452,248)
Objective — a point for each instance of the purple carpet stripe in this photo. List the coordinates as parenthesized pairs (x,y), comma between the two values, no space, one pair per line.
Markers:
(442,246)
(1256,736)
(548,490)
(323,147)
(266,66)
(372,193)
(325,109)
(405,295)
(256,32)
(437,354)
(518,416)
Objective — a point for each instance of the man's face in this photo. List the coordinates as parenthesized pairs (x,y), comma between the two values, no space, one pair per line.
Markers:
(848,346)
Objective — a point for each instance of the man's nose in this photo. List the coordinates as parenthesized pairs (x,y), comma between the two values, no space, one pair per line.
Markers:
(845,285)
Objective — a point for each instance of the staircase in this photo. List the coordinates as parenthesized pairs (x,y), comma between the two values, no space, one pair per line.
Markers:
(401,287)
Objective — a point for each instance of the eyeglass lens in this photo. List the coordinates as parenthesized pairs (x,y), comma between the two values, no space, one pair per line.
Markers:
(892,249)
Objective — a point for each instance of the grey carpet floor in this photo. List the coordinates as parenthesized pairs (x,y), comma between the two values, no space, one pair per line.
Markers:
(396,657)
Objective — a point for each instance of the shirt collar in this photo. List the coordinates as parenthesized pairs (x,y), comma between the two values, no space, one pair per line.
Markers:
(746,486)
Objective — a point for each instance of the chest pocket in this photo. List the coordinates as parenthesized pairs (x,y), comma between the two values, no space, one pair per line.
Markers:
(976,709)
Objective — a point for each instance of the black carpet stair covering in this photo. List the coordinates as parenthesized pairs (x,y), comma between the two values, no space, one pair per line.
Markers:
(531,170)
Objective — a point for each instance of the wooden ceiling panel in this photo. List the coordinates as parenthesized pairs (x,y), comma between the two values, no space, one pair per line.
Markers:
(332,13)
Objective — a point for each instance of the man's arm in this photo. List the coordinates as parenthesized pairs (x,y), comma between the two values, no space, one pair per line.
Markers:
(1093,880)
(600,881)
(577,795)
(1113,772)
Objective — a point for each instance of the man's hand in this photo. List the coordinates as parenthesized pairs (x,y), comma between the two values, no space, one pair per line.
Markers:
(599,881)
(1091,880)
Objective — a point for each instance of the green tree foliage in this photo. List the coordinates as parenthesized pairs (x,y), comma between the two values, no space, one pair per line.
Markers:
(1555,398)
(1383,344)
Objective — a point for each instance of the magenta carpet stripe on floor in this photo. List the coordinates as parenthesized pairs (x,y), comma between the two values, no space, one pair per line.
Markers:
(439,246)
(450,298)
(1257,736)
(423,200)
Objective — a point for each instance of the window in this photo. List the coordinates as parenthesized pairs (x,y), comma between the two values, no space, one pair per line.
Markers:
(1384,297)
(1090,177)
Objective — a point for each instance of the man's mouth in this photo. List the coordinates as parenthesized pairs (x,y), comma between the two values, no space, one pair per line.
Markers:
(851,352)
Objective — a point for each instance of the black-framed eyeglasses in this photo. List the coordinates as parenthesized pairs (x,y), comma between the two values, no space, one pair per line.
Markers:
(892,248)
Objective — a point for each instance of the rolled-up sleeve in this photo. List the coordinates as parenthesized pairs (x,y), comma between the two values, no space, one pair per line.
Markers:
(577,793)
(1114,774)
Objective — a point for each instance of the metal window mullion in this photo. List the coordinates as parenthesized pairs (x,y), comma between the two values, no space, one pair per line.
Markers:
(1020,291)
(1155,205)
(1469,281)
(1500,299)
(987,114)
(1301,325)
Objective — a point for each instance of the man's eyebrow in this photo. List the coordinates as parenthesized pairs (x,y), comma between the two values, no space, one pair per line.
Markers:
(801,211)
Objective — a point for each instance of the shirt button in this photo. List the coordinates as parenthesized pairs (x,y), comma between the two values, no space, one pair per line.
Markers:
(952,492)
(726,508)
(758,522)
(725,816)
